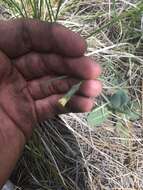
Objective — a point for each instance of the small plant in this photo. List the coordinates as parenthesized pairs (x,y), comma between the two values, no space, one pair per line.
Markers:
(119,106)
(38,9)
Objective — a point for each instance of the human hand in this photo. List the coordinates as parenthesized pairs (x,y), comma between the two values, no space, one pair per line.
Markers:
(35,54)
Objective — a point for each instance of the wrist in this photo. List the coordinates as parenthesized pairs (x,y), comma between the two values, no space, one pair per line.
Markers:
(12,142)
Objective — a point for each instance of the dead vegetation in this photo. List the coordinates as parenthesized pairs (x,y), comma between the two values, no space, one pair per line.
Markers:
(111,155)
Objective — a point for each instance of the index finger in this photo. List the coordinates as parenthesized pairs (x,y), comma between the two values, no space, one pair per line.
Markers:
(18,37)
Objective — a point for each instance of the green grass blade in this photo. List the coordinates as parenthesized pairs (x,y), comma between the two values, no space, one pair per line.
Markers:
(40,8)
(51,10)
(24,8)
(15,6)
(48,8)
(36,8)
(58,9)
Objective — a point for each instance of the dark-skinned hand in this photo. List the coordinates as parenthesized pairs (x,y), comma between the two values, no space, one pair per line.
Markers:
(32,53)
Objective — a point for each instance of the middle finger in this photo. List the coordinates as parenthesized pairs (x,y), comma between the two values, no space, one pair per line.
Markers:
(35,65)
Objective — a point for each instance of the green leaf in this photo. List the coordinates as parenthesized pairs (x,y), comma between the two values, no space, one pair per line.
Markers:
(119,100)
(133,116)
(134,113)
(98,116)
(124,98)
(115,101)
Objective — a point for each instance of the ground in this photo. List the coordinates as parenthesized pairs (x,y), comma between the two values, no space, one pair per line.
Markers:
(111,152)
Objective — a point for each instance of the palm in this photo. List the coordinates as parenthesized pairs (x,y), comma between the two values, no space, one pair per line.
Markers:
(28,92)
(15,99)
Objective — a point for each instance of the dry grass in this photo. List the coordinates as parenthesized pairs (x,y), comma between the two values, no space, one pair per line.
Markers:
(112,156)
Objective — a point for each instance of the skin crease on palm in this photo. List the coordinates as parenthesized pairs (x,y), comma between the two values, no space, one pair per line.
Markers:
(31,54)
